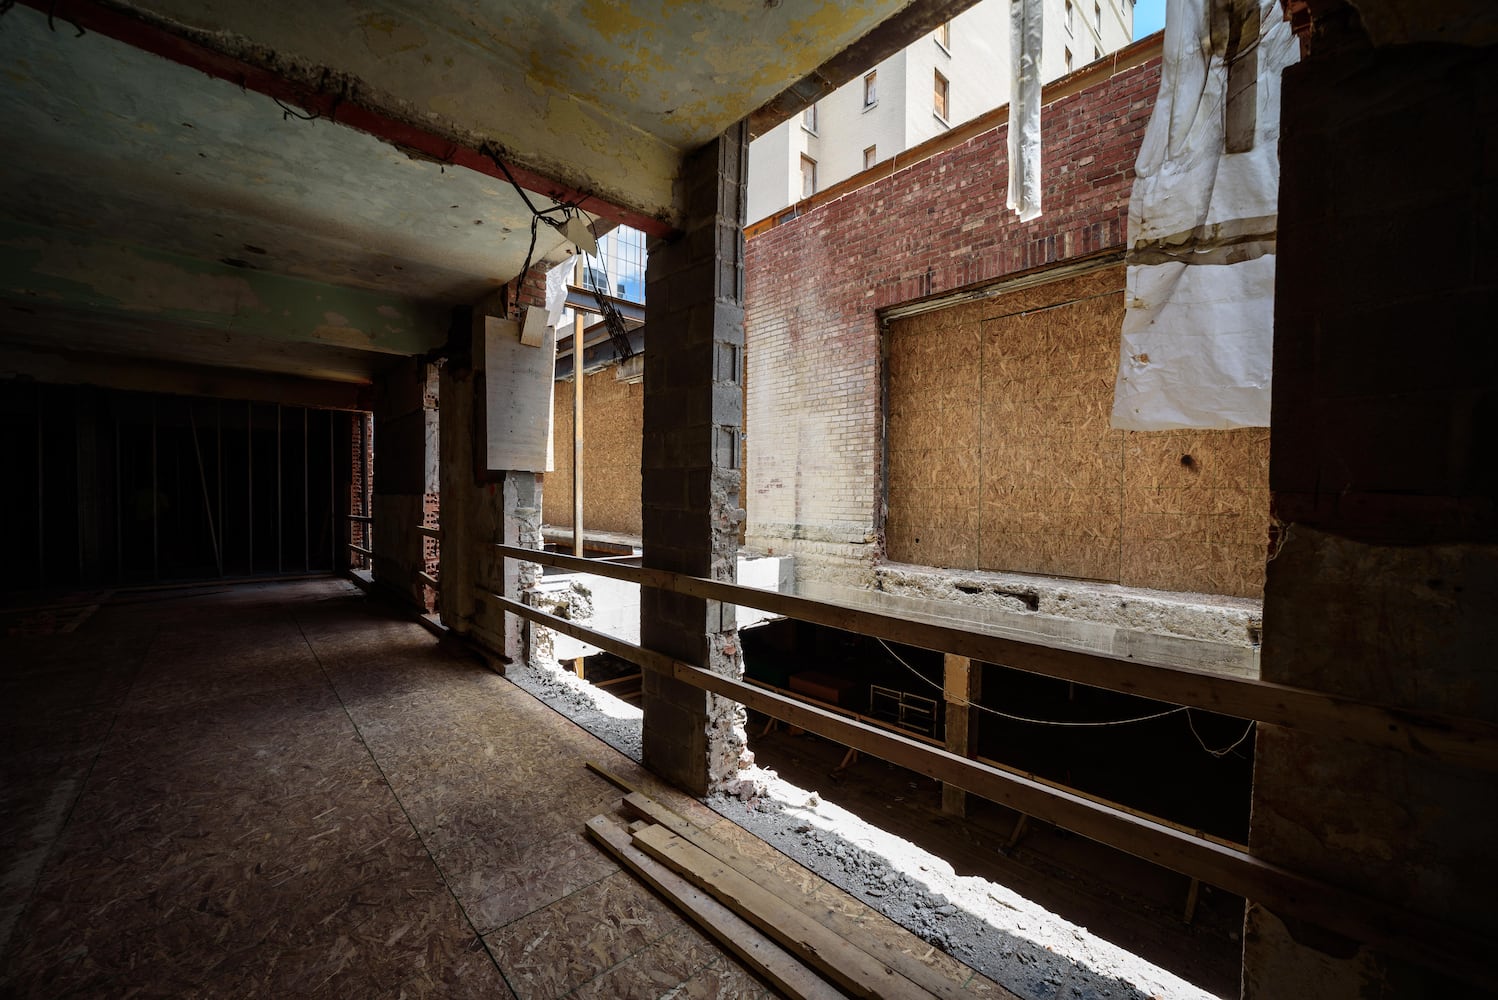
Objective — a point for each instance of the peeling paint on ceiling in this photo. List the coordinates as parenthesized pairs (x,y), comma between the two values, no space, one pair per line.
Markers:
(127,146)
(645,82)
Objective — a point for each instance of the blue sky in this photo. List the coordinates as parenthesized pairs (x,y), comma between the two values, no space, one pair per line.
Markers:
(1149,17)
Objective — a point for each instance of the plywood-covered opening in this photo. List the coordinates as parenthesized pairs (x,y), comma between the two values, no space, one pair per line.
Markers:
(614,410)
(1000,455)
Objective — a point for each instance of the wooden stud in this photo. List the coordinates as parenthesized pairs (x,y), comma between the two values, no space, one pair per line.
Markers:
(849,759)
(610,776)
(1017,834)
(961,684)
(855,933)
(782,970)
(848,967)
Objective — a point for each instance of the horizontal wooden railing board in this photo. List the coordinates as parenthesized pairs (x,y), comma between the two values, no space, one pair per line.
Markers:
(1469,742)
(1283,891)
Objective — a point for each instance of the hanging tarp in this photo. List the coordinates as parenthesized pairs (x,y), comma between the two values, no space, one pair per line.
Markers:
(1199,320)
(1024,107)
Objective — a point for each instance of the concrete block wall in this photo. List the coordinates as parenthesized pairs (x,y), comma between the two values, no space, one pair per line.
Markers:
(813,484)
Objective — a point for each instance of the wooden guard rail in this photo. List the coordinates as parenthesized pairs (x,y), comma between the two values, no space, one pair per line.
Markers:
(1193,854)
(1467,742)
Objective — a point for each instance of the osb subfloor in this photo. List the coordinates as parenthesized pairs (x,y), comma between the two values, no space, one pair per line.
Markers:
(281,789)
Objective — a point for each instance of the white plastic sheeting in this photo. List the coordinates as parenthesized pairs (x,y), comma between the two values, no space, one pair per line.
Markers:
(1199,321)
(1024,107)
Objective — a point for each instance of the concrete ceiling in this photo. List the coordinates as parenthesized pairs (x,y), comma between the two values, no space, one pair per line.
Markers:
(130,147)
(164,198)
(599,95)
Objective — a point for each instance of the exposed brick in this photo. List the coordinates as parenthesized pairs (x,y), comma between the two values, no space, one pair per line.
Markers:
(814,286)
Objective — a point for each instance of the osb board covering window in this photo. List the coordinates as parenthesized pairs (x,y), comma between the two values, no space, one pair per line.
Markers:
(1001,457)
(613,412)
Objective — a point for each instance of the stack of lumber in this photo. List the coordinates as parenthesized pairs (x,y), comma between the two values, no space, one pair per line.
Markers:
(802,949)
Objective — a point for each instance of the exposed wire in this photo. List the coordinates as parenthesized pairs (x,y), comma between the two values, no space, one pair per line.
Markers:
(612,321)
(1082,725)
(538,215)
(1225,750)
(1037,722)
(289,112)
(51,12)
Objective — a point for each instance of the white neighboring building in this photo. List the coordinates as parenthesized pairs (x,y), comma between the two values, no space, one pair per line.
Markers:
(946,78)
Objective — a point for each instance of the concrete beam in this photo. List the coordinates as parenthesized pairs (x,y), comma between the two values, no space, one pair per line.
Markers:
(52,268)
(65,368)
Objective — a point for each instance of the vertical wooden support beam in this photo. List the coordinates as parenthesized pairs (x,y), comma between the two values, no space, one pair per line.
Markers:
(334,528)
(155,513)
(577,422)
(306,506)
(962,680)
(218,475)
(119,503)
(197,450)
(41,497)
(249,479)
(280,510)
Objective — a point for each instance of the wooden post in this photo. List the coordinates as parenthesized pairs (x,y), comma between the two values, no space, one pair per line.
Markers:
(577,421)
(962,682)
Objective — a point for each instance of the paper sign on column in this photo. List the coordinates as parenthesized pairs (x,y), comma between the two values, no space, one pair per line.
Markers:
(518,387)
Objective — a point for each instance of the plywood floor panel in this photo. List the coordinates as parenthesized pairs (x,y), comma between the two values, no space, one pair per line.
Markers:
(282,790)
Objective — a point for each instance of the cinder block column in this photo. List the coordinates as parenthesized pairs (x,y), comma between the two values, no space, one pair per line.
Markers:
(478,508)
(694,293)
(401,481)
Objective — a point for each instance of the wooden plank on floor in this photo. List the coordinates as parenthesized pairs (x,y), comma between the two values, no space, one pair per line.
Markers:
(643,807)
(849,967)
(764,956)
(610,776)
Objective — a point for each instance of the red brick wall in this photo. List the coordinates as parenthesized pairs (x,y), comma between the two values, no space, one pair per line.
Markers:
(814,284)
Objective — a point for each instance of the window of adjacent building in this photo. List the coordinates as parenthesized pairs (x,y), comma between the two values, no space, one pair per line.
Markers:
(870,157)
(939,96)
(871,89)
(1097,15)
(809,119)
(1070,19)
(944,35)
(1068,60)
(1096,53)
(808,177)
